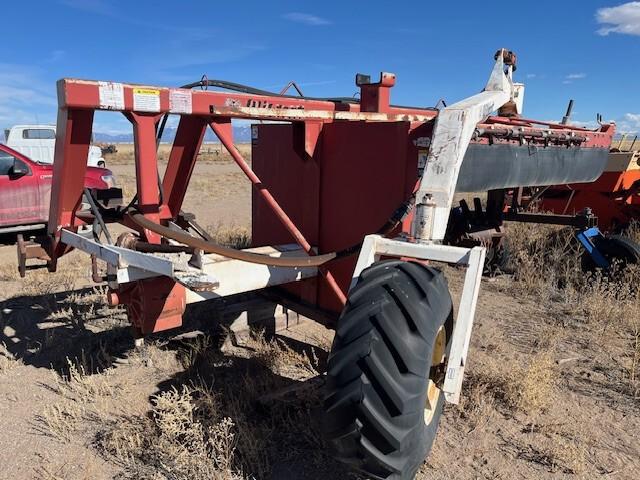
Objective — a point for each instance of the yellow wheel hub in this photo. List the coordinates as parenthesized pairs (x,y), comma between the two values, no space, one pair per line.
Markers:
(437,359)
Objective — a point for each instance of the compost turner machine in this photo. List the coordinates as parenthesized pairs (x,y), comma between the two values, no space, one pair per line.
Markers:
(351,202)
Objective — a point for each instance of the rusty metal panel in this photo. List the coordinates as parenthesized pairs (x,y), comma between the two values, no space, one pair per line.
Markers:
(292,180)
(363,181)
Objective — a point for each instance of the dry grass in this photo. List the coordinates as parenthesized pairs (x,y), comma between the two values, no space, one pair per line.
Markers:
(9,272)
(206,428)
(283,360)
(546,262)
(193,350)
(544,258)
(50,469)
(84,398)
(8,361)
(233,236)
(531,387)
(184,438)
(42,283)
(209,153)
(627,144)
(512,386)
(204,187)
(556,453)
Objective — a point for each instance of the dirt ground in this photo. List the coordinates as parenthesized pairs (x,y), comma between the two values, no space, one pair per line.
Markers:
(551,390)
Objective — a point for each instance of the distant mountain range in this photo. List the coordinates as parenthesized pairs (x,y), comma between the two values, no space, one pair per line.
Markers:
(241,134)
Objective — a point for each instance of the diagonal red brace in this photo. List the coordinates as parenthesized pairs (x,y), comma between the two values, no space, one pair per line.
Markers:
(222,129)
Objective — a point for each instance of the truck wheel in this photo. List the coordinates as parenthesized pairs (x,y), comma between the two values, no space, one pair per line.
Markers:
(101,164)
(383,401)
(615,248)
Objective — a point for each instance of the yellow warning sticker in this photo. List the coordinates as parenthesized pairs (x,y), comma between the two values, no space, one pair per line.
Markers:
(146,91)
(146,99)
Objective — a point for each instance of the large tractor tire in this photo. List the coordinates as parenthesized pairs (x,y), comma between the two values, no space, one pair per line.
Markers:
(619,251)
(383,402)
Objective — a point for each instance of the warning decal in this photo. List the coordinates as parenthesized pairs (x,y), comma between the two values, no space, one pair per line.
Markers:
(146,100)
(180,101)
(111,95)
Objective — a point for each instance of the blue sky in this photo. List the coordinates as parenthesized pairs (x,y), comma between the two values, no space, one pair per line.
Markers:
(586,50)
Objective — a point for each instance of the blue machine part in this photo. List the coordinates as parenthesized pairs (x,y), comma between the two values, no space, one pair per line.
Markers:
(589,239)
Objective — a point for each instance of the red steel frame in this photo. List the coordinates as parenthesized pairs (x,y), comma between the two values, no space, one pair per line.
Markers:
(78,99)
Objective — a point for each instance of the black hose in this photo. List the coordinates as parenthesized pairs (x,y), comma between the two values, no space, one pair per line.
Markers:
(97,214)
(238,87)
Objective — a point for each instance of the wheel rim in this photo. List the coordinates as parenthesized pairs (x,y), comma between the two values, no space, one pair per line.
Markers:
(437,359)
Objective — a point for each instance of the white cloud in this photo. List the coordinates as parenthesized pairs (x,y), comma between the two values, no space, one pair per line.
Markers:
(629,123)
(623,19)
(531,75)
(24,97)
(584,124)
(633,117)
(573,76)
(306,18)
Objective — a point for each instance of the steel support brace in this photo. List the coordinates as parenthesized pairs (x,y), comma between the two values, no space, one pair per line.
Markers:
(144,135)
(222,129)
(73,137)
(182,159)
(452,134)
(126,267)
(375,246)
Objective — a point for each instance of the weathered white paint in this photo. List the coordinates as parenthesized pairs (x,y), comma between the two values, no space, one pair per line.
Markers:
(452,133)
(472,258)
(230,276)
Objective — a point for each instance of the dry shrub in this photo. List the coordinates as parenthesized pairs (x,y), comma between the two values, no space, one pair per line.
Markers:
(80,307)
(8,361)
(184,438)
(477,402)
(233,236)
(492,383)
(193,349)
(633,231)
(281,358)
(61,420)
(544,259)
(195,431)
(40,283)
(9,272)
(84,397)
(531,387)
(77,384)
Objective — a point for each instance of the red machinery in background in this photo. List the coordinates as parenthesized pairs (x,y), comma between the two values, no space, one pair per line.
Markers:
(614,197)
(352,183)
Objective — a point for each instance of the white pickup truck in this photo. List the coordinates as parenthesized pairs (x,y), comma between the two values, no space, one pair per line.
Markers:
(38,143)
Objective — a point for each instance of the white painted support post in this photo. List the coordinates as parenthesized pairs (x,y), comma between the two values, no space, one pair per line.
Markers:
(463,326)
(473,259)
(454,127)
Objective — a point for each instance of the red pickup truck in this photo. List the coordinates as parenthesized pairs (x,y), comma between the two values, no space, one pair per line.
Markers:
(25,189)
